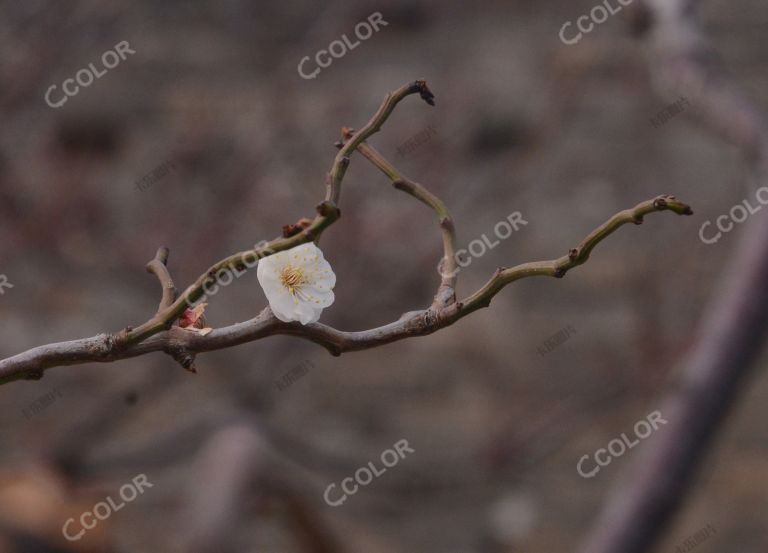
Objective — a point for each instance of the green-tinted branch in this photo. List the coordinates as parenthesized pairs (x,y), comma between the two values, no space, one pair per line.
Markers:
(341,162)
(577,256)
(327,214)
(448,267)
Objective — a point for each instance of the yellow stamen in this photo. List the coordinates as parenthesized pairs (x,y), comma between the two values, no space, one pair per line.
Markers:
(292,278)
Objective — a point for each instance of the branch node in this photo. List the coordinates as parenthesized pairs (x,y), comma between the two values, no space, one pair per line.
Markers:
(421,87)
(346,134)
(162,255)
(401,184)
(296,228)
(661,203)
(183,357)
(328,209)
(430,319)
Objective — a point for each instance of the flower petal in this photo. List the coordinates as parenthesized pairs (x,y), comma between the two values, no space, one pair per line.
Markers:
(316,298)
(308,298)
(307,314)
(283,304)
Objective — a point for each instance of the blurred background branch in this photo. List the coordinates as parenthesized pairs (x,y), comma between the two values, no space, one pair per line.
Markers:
(733,332)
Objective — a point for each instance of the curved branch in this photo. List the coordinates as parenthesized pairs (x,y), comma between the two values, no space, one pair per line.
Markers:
(448,267)
(102,348)
(327,214)
(577,256)
(341,162)
(158,267)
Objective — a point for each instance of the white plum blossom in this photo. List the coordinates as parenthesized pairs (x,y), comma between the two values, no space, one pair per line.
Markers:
(298,283)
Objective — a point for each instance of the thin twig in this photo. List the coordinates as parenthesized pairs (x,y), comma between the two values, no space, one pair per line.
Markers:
(32,363)
(327,214)
(158,267)
(446,294)
(577,256)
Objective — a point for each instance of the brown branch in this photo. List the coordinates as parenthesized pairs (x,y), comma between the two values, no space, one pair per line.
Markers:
(577,256)
(159,334)
(327,214)
(733,331)
(446,294)
(158,267)
(101,348)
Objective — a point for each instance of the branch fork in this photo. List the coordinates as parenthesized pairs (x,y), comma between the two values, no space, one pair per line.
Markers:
(160,333)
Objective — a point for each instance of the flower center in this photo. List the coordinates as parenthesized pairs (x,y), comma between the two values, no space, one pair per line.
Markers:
(292,278)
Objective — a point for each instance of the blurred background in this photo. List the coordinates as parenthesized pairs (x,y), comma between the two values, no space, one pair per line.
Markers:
(207,140)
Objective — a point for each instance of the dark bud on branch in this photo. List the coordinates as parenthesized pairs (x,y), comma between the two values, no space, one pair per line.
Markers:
(296,228)
(421,87)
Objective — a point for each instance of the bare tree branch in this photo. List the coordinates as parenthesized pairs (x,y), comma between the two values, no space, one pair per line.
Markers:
(158,267)
(159,334)
(327,214)
(446,294)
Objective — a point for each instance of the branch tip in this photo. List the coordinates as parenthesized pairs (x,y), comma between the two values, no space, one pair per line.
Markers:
(162,255)
(421,87)
(673,204)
